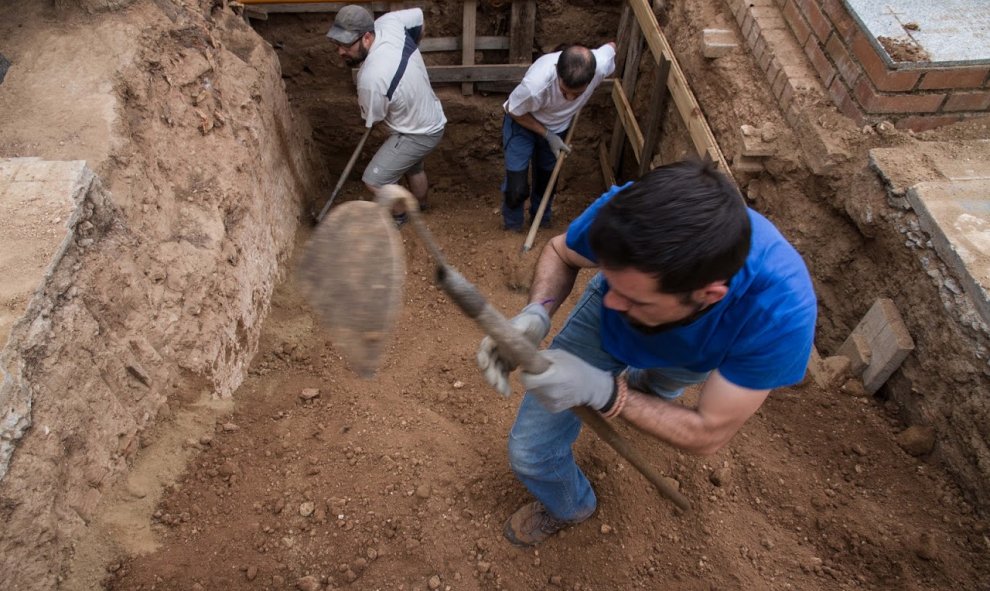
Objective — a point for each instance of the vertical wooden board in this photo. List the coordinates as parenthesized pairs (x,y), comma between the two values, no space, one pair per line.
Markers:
(658,105)
(468,41)
(628,120)
(630,73)
(608,176)
(522,31)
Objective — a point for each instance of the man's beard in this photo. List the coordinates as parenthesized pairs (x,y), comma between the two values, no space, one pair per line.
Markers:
(354,62)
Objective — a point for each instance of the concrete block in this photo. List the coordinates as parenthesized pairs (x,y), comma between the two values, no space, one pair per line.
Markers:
(742,164)
(753,142)
(857,350)
(881,332)
(717,42)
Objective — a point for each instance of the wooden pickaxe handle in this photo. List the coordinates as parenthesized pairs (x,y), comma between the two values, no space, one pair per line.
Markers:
(343,176)
(518,350)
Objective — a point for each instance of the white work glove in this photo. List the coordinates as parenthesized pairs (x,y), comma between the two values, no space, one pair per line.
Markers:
(557,144)
(534,323)
(569,381)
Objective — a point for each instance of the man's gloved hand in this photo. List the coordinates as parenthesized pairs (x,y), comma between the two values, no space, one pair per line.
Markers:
(557,144)
(534,323)
(569,381)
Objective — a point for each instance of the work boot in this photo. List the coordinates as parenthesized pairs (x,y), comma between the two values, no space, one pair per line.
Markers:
(531,524)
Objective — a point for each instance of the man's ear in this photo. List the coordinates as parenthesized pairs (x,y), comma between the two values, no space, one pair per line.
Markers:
(711,293)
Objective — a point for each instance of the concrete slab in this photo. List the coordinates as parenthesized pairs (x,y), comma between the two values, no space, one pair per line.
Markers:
(948,30)
(904,166)
(956,214)
(37,199)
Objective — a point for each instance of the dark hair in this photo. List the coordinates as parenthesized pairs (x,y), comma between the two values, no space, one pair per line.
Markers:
(684,223)
(576,66)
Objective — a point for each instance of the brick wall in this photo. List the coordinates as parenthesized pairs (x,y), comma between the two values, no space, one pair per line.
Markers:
(854,71)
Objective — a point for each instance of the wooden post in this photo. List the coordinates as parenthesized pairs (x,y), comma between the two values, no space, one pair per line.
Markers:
(654,119)
(467,45)
(522,31)
(634,52)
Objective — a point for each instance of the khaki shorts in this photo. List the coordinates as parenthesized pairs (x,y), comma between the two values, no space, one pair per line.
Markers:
(400,154)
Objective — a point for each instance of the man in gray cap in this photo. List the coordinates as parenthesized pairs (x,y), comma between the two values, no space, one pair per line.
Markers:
(393,87)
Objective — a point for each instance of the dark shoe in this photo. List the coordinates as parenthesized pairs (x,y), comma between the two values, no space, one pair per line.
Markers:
(531,524)
(400,219)
(516,229)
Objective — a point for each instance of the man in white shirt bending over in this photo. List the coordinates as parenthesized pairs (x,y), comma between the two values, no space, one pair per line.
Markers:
(393,87)
(537,116)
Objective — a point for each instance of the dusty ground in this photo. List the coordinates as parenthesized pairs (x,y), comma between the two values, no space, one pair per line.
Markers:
(401,482)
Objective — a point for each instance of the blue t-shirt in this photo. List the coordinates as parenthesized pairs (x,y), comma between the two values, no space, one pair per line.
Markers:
(759,336)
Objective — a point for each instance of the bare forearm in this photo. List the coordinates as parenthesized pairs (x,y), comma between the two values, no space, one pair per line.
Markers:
(553,279)
(677,425)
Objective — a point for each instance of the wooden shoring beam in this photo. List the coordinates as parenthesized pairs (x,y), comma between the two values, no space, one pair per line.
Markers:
(484,43)
(628,119)
(654,119)
(607,175)
(268,7)
(467,34)
(687,105)
(477,73)
(522,31)
(633,52)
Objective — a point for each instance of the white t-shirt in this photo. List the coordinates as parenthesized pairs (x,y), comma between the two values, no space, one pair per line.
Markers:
(393,85)
(539,94)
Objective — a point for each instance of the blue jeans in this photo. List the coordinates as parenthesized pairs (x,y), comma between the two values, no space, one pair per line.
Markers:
(540,443)
(522,146)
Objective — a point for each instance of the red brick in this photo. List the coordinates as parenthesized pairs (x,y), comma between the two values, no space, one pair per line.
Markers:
(967,101)
(786,96)
(849,68)
(797,22)
(750,32)
(778,85)
(842,99)
(844,24)
(877,70)
(772,23)
(821,26)
(954,78)
(766,58)
(740,10)
(926,122)
(759,48)
(774,69)
(872,102)
(819,61)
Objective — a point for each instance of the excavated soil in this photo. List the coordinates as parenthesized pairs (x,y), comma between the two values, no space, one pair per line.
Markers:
(316,479)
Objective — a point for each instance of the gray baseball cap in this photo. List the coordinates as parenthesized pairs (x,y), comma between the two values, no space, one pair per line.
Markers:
(352,21)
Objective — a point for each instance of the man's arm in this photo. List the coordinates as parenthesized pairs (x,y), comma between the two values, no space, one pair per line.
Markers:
(723,408)
(555,273)
(529,122)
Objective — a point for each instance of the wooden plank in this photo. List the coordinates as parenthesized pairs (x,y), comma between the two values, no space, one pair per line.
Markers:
(522,31)
(658,106)
(393,6)
(607,175)
(484,43)
(883,333)
(467,34)
(626,24)
(477,73)
(628,119)
(630,73)
(270,8)
(687,106)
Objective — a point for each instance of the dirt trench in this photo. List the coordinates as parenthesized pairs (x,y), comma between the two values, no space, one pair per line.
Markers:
(401,482)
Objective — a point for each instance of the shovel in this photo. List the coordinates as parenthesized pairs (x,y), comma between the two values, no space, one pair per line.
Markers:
(528,244)
(343,177)
(352,272)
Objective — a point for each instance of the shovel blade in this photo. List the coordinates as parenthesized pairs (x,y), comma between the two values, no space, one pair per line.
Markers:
(351,271)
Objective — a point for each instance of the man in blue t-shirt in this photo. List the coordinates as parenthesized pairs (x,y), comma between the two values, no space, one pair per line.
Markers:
(693,287)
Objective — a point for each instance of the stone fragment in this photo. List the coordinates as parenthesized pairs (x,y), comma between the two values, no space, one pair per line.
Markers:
(884,335)
(308,583)
(717,42)
(917,440)
(309,394)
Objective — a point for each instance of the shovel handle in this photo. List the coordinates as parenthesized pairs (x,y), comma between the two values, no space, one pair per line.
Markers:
(531,237)
(514,346)
(343,176)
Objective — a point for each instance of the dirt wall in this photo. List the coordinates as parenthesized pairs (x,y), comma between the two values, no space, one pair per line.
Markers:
(159,298)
